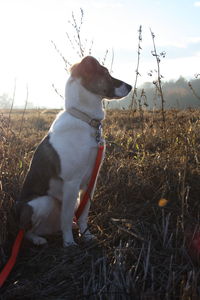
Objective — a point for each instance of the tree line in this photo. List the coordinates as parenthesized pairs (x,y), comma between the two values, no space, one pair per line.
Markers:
(179,94)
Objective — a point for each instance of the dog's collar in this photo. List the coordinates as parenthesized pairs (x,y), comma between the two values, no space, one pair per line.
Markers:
(84,117)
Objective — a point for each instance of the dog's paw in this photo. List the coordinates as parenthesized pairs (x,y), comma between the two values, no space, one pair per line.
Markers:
(38,240)
(70,244)
(88,236)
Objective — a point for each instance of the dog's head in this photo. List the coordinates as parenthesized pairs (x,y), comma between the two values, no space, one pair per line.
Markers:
(97,79)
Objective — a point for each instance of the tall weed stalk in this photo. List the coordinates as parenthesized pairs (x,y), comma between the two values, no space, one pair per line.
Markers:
(158,82)
(134,96)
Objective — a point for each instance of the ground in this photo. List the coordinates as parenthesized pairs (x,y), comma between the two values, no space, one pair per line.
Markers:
(145,212)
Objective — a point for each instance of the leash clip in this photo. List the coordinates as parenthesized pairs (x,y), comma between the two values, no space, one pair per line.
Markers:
(99,134)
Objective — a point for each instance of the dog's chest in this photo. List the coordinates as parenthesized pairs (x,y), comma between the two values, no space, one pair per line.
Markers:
(76,145)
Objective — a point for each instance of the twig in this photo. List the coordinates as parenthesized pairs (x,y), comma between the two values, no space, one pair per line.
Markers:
(193,91)
(112,61)
(25,107)
(133,101)
(12,104)
(128,231)
(77,29)
(67,63)
(158,83)
(57,92)
(105,57)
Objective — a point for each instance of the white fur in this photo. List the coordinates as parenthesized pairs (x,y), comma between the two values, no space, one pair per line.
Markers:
(75,143)
(77,96)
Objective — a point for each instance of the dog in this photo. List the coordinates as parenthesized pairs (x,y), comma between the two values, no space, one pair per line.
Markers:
(62,164)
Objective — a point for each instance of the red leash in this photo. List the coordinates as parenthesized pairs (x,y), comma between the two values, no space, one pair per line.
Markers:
(17,243)
(11,262)
(86,196)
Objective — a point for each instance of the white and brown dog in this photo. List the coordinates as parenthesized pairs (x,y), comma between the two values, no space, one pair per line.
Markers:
(63,162)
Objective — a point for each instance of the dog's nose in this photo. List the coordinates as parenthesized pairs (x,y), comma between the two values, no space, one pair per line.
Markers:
(129,87)
(123,90)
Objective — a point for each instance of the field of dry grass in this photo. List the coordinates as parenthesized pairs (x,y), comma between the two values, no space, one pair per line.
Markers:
(145,212)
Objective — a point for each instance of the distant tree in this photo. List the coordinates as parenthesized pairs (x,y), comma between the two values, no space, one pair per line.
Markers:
(182,82)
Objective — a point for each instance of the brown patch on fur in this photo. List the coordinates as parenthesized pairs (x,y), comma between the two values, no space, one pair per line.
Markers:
(26,216)
(44,166)
(96,78)
(86,68)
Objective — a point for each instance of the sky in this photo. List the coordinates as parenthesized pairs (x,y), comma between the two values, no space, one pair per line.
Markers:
(29,59)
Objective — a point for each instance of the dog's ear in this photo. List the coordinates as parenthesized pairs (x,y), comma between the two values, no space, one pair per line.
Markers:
(86,68)
(89,65)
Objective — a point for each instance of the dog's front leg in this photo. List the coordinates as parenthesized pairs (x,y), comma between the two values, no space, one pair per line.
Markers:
(83,220)
(70,194)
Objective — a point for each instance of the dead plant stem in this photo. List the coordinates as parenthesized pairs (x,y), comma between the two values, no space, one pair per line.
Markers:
(158,83)
(134,96)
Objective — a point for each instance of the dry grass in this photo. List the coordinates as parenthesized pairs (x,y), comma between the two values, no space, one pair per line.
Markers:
(144,245)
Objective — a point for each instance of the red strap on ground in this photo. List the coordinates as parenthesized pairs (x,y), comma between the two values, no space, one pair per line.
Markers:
(11,262)
(86,196)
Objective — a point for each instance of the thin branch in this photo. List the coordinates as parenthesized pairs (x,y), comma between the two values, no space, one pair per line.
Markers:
(12,104)
(133,101)
(57,92)
(112,61)
(77,29)
(25,107)
(193,91)
(67,63)
(158,83)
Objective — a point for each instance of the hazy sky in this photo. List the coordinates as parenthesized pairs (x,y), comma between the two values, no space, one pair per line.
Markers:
(28,26)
